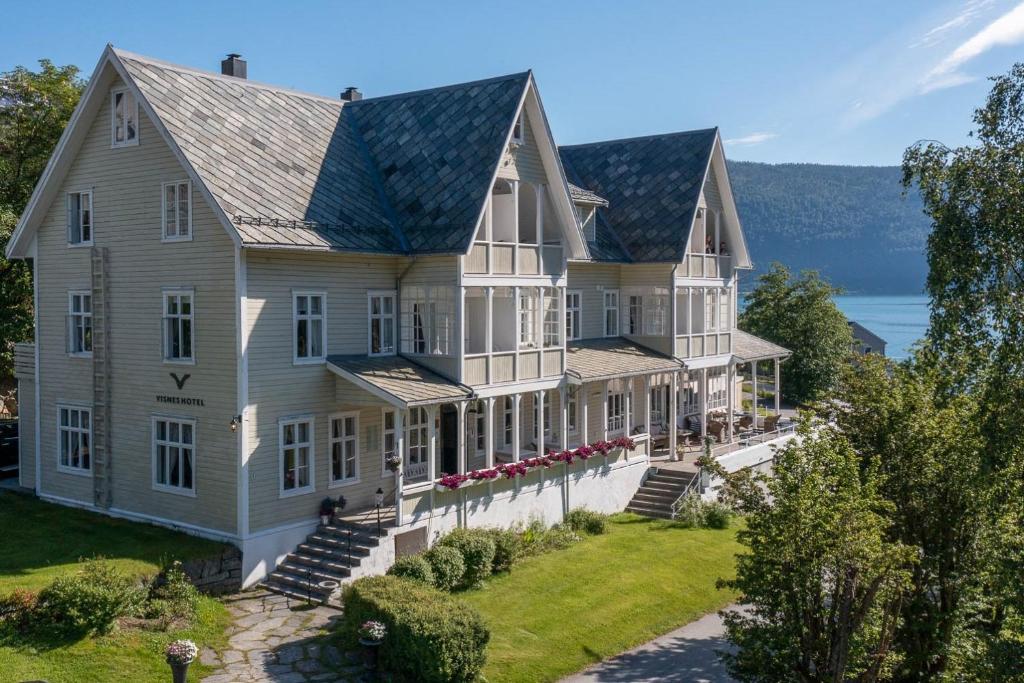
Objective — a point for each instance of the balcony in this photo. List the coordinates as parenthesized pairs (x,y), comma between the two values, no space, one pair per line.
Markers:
(708,266)
(504,258)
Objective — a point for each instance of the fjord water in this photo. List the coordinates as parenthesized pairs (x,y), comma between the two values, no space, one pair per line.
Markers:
(899,320)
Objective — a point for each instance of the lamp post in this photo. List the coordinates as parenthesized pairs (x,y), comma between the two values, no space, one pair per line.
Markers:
(379,499)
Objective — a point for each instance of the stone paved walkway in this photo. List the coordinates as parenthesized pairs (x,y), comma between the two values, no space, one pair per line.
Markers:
(278,640)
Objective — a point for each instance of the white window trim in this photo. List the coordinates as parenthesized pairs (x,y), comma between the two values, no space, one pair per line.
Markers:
(164,237)
(607,308)
(71,297)
(312,360)
(508,424)
(166,488)
(579,309)
(385,473)
(114,144)
(572,409)
(393,294)
(333,483)
(92,219)
(311,487)
(77,471)
(177,291)
(621,395)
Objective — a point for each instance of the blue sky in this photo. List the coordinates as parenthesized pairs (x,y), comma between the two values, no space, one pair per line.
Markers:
(827,82)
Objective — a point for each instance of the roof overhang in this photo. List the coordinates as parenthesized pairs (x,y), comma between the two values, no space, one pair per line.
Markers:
(398,381)
(595,360)
(747,348)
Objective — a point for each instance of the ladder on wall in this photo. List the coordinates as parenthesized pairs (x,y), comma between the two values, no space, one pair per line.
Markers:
(102,468)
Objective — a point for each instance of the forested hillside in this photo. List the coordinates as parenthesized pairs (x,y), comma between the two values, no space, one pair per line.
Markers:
(852,223)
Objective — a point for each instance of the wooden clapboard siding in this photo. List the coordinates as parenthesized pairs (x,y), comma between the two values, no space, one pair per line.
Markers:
(27,432)
(587,278)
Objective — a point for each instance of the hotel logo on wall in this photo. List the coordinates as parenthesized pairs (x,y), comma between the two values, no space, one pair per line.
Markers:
(180,400)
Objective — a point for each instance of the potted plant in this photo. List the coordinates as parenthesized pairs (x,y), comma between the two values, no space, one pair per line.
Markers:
(326,510)
(180,654)
(371,635)
(392,462)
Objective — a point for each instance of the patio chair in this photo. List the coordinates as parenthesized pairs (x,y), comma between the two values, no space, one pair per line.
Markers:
(716,430)
(771,423)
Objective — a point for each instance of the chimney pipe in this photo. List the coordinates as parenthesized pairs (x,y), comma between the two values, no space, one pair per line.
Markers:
(234,65)
(351,94)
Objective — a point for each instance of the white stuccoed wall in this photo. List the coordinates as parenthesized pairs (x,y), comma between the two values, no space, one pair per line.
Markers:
(759,456)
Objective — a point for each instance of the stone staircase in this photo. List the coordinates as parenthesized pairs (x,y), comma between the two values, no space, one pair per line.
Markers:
(661,488)
(332,553)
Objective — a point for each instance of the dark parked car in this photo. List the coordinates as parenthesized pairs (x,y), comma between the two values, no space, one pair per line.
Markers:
(8,448)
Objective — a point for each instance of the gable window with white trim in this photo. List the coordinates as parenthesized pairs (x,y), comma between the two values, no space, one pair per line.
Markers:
(124,118)
(343,443)
(295,444)
(310,326)
(574,315)
(179,325)
(80,218)
(381,312)
(80,323)
(611,313)
(177,211)
(74,439)
(174,455)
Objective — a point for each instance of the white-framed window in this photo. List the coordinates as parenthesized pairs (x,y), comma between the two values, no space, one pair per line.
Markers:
(572,406)
(388,441)
(616,412)
(724,310)
(427,314)
(124,118)
(477,423)
(295,444)
(574,315)
(380,308)
(343,445)
(309,323)
(179,325)
(528,302)
(545,401)
(718,387)
(417,437)
(74,439)
(517,130)
(507,422)
(80,323)
(711,310)
(552,318)
(636,314)
(611,312)
(658,403)
(656,322)
(177,211)
(174,454)
(80,218)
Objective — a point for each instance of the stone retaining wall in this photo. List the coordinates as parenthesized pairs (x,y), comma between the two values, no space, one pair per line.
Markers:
(218,574)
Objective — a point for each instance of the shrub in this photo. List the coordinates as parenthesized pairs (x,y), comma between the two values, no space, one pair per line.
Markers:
(477,549)
(18,609)
(447,565)
(538,538)
(413,567)
(431,636)
(693,511)
(91,599)
(508,547)
(172,596)
(717,515)
(582,520)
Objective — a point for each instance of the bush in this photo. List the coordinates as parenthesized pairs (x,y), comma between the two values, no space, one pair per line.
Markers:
(18,609)
(582,520)
(91,599)
(431,636)
(508,548)
(413,567)
(538,539)
(477,549)
(693,511)
(447,565)
(172,597)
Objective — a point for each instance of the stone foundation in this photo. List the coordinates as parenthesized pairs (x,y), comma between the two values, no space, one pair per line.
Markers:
(216,575)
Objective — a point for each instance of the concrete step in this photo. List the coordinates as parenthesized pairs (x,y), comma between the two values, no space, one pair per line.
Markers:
(298,585)
(328,554)
(293,592)
(674,480)
(359,536)
(664,487)
(307,572)
(327,565)
(642,496)
(338,543)
(672,474)
(649,511)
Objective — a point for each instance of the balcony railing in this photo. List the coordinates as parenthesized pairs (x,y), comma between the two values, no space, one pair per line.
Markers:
(504,258)
(708,265)
(703,344)
(511,366)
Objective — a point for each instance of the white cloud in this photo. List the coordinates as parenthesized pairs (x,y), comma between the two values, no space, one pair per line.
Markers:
(965,17)
(752,139)
(1006,30)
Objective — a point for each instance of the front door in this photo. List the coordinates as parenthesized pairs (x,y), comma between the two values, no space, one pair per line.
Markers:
(449,439)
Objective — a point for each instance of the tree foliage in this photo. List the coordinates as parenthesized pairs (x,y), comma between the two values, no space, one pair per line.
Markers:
(822,582)
(34,108)
(799,314)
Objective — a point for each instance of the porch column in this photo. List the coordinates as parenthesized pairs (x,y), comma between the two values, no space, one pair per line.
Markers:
(399,473)
(583,396)
(538,428)
(563,406)
(647,404)
(730,389)
(517,334)
(703,404)
(673,416)
(489,328)
(627,401)
(777,386)
(516,401)
(604,411)
(461,441)
(753,385)
(432,441)
(489,449)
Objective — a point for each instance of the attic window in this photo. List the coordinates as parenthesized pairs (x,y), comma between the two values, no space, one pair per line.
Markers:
(517,131)
(124,118)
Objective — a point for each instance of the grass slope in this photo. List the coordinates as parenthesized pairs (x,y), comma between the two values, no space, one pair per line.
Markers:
(557,613)
(42,540)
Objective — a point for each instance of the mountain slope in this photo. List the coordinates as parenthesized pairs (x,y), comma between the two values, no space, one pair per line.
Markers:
(852,223)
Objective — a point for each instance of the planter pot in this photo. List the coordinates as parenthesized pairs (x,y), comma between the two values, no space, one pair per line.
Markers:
(325,519)
(370,653)
(179,672)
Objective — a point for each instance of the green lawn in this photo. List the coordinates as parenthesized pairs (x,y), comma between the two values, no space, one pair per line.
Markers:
(42,540)
(554,614)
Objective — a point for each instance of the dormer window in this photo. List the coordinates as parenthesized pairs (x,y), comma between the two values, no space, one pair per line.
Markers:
(124,118)
(517,131)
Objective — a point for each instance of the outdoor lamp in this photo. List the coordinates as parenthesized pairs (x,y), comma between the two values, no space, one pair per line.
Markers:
(378,497)
(235,421)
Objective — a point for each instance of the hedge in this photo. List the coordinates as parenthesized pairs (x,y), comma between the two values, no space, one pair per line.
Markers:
(431,635)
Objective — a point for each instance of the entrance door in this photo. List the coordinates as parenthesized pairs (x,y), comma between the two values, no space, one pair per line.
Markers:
(449,439)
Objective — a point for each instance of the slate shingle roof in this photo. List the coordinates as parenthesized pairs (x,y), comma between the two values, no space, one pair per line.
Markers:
(581,195)
(748,347)
(598,359)
(411,384)
(399,174)
(652,185)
